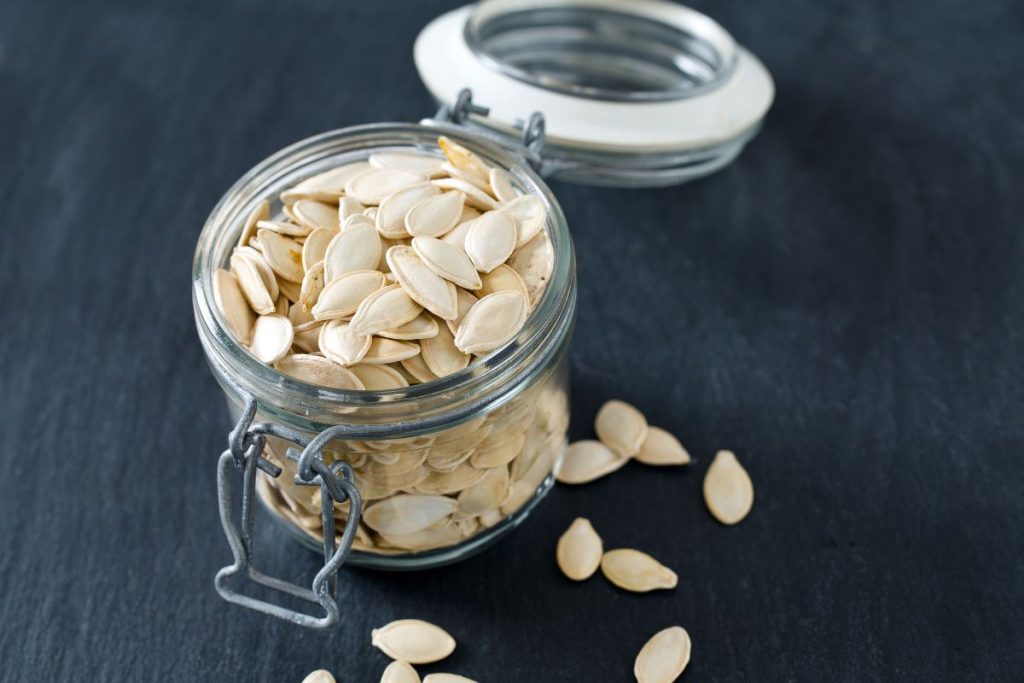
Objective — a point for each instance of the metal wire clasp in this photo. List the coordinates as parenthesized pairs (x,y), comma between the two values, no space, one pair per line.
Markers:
(245,452)
(532,131)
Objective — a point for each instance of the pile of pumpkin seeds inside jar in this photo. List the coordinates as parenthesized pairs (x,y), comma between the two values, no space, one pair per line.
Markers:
(391,272)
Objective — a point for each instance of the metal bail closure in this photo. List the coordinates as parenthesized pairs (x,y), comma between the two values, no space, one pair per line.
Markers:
(529,145)
(336,484)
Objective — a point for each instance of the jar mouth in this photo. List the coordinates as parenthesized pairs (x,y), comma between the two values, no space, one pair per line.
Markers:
(637,51)
(550,321)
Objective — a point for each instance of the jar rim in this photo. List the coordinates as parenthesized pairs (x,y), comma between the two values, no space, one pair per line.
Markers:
(550,319)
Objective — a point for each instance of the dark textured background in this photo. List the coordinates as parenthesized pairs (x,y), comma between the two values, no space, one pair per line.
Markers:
(844,307)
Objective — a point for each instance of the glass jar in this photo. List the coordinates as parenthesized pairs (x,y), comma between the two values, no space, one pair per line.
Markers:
(487,438)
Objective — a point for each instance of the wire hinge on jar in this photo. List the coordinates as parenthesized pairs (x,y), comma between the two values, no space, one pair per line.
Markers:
(532,131)
(246,443)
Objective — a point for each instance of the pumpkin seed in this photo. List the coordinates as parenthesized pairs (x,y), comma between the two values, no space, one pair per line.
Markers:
(312,286)
(501,185)
(461,158)
(447,261)
(635,571)
(319,371)
(232,305)
(503,279)
(457,235)
(372,186)
(417,368)
(391,214)
(579,550)
(400,672)
(728,491)
(529,215)
(423,326)
(465,301)
(534,262)
(283,255)
(493,321)
(435,216)
(289,290)
(262,267)
(479,182)
(314,214)
(486,494)
(260,213)
(379,377)
(315,247)
(281,306)
(588,460)
(500,454)
(475,197)
(385,309)
(342,296)
(664,657)
(252,284)
(342,344)
(383,351)
(348,207)
(407,513)
(621,427)
(319,676)
(328,185)
(307,336)
(425,164)
(490,240)
(413,640)
(355,220)
(285,228)
(441,355)
(447,678)
(661,448)
(298,314)
(426,287)
(357,248)
(271,337)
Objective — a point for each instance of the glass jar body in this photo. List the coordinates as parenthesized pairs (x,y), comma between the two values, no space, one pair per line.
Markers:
(453,464)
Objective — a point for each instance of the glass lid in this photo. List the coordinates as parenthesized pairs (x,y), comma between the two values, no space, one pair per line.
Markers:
(633,92)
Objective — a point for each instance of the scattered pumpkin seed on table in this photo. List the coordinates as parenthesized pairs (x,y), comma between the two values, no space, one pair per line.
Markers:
(413,641)
(579,550)
(635,571)
(728,491)
(664,657)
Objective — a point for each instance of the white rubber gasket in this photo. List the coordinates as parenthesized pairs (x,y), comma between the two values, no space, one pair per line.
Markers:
(447,65)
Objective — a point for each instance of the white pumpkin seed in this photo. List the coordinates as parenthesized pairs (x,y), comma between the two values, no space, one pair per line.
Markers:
(479,182)
(486,494)
(417,369)
(252,284)
(412,640)
(661,448)
(284,255)
(342,344)
(329,184)
(728,490)
(406,514)
(534,262)
(289,290)
(348,207)
(232,305)
(342,296)
(457,235)
(260,213)
(635,571)
(530,217)
(621,427)
(307,336)
(262,267)
(271,337)
(664,657)
(502,279)
(400,672)
(314,214)
(298,314)
(435,216)
(501,185)
(357,219)
(465,301)
(447,261)
(390,217)
(588,460)
(385,309)
(315,247)
(319,676)
(490,240)
(357,248)
(426,287)
(425,164)
(285,228)
(441,355)
(383,351)
(447,678)
(579,550)
(475,197)
(379,378)
(318,370)
(423,326)
(312,286)
(462,158)
(492,322)
(372,186)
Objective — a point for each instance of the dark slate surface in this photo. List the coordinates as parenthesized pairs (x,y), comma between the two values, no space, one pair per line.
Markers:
(844,307)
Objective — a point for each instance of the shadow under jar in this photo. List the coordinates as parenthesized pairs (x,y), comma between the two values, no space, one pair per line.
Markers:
(455,462)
